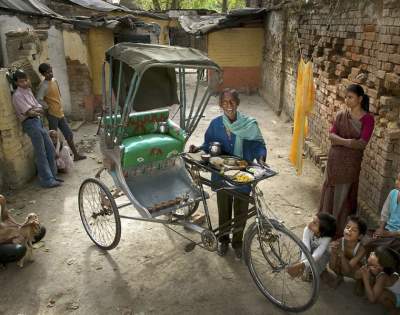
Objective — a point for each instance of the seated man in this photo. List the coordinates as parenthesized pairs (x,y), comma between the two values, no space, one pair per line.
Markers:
(28,111)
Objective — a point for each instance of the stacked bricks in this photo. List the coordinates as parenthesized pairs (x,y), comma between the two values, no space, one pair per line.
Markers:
(16,153)
(361,45)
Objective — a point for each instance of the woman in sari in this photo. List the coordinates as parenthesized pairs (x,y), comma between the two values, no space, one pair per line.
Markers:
(239,135)
(349,136)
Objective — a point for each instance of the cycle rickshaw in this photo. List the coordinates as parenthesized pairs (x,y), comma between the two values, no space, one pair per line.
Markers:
(143,151)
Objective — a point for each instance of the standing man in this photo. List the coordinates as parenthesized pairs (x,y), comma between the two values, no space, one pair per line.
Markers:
(28,111)
(49,96)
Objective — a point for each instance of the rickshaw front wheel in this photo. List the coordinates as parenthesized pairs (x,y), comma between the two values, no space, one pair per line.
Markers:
(269,248)
(99,214)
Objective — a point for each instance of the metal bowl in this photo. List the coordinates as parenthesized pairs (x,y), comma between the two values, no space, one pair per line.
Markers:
(205,157)
(230,161)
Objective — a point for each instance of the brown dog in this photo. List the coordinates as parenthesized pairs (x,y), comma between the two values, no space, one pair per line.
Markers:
(12,232)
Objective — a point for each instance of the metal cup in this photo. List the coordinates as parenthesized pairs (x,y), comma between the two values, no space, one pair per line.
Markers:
(163,127)
(215,148)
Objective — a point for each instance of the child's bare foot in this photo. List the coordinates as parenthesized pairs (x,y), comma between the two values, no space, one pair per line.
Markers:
(332,280)
(295,270)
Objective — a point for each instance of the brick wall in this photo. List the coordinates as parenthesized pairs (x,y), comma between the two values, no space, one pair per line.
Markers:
(360,46)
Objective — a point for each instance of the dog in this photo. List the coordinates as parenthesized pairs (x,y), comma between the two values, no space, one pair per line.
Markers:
(13,232)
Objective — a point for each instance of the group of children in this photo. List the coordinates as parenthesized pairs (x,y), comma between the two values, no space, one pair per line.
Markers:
(373,261)
(51,155)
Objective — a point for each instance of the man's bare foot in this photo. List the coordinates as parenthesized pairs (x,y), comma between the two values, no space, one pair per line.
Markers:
(79,157)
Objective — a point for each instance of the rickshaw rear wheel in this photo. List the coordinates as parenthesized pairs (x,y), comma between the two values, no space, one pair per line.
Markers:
(99,214)
(268,251)
(186,211)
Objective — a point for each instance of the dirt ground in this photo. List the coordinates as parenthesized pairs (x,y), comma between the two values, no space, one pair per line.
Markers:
(149,272)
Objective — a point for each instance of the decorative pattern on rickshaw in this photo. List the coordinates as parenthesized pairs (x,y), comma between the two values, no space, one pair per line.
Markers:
(156,151)
(139,125)
(150,168)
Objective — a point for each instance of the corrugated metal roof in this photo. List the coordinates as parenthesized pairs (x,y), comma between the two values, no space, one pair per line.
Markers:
(196,24)
(99,5)
(28,6)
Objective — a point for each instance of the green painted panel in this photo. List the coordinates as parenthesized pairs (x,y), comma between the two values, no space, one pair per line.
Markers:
(143,149)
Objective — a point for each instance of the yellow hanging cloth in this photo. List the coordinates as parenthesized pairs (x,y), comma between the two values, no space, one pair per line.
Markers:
(305,94)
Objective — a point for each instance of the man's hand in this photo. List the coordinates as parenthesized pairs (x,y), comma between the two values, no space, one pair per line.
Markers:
(32,113)
(193,149)
(40,111)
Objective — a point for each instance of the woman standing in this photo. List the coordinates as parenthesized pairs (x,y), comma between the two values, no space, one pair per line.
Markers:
(239,135)
(349,136)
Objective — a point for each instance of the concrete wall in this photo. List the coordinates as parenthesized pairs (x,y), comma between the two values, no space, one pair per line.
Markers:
(362,45)
(16,153)
(78,69)
(239,52)
(56,58)
(8,24)
(100,39)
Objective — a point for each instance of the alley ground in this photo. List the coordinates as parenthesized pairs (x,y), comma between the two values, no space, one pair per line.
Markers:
(149,272)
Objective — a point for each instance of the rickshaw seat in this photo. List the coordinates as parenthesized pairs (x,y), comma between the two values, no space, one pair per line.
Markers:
(143,144)
(140,123)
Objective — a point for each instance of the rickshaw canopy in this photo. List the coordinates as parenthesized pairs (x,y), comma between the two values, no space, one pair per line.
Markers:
(141,56)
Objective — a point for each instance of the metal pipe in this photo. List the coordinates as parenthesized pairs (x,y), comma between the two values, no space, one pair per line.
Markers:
(194,98)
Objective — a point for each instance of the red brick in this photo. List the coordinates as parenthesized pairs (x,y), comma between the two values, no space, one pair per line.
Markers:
(387,66)
(367,44)
(396,39)
(395,58)
(369,28)
(370,36)
(387,39)
(383,56)
(357,43)
(355,57)
(392,78)
(381,74)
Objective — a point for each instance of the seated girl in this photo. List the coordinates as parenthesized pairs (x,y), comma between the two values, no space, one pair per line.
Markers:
(64,159)
(347,253)
(316,237)
(380,279)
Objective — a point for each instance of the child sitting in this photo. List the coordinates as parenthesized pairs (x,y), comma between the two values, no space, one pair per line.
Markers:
(390,215)
(64,160)
(316,237)
(388,232)
(347,253)
(380,279)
